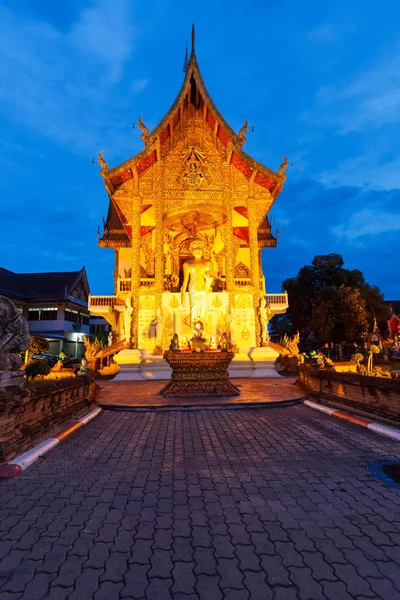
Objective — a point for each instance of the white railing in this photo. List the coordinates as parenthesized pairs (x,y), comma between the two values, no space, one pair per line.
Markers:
(277,298)
(100,301)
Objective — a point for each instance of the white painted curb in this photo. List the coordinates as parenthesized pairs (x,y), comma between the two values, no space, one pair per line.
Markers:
(29,457)
(320,407)
(90,416)
(390,432)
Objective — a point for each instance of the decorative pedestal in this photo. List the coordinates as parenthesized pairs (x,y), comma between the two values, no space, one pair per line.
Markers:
(199,374)
(129,362)
(264,362)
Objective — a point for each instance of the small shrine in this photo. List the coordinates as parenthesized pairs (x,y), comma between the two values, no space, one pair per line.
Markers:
(188,220)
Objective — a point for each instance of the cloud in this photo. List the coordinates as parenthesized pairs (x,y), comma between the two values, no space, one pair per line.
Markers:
(370,99)
(330,32)
(59,83)
(357,118)
(138,85)
(367,222)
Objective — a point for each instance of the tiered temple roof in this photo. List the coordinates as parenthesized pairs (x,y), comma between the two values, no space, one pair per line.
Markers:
(193,91)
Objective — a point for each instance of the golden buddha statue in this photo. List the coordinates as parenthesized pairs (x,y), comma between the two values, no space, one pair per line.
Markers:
(197,279)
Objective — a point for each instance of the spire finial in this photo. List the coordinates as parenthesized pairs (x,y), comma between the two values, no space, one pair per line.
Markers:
(193,38)
(186,63)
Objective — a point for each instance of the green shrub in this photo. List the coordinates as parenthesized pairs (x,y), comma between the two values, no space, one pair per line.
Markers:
(37,367)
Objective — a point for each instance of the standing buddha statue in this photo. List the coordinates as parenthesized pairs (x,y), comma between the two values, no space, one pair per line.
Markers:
(197,279)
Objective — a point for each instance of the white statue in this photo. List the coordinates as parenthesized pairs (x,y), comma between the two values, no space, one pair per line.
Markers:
(128,319)
(110,338)
(264,312)
(158,324)
(232,324)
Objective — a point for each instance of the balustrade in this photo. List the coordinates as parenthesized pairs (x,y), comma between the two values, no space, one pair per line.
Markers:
(97,301)
(277,298)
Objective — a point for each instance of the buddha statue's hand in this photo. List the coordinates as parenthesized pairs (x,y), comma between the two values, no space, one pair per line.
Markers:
(182,297)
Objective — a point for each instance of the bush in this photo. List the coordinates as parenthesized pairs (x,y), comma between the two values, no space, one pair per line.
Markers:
(37,367)
(38,345)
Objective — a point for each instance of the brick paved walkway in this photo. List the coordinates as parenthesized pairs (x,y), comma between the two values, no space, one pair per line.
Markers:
(269,504)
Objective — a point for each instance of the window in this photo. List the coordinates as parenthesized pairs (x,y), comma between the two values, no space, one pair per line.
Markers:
(71,315)
(33,315)
(42,314)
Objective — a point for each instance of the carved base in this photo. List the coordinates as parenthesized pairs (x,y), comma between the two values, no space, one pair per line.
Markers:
(203,389)
(199,374)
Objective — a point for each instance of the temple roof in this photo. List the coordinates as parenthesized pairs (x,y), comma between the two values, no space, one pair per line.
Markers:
(115,234)
(194,91)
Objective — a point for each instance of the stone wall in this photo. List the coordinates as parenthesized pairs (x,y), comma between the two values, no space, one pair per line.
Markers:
(375,395)
(26,415)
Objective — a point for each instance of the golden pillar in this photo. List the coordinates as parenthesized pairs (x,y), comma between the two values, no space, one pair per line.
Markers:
(135,265)
(159,234)
(228,236)
(254,263)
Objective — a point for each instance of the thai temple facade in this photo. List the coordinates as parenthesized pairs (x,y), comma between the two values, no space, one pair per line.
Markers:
(191,187)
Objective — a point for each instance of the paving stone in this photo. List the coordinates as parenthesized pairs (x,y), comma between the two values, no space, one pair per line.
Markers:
(69,571)
(207,587)
(276,573)
(38,587)
(161,564)
(136,581)
(158,589)
(108,590)
(257,586)
(247,558)
(184,579)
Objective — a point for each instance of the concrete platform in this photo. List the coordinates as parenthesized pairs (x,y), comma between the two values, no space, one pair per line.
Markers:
(146,394)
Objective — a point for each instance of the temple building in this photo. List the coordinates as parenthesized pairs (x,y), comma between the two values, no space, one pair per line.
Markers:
(188,220)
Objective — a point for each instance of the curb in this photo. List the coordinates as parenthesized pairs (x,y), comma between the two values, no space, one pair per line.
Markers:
(21,462)
(200,407)
(390,432)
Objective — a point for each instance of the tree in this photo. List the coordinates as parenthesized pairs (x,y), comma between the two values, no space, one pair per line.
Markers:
(38,345)
(37,367)
(339,314)
(322,300)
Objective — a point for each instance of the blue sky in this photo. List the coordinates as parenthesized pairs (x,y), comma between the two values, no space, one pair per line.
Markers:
(319,81)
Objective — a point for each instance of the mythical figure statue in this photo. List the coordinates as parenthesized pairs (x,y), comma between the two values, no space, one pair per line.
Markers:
(92,348)
(197,278)
(128,320)
(264,312)
(241,138)
(102,162)
(14,337)
(147,140)
(283,167)
(14,332)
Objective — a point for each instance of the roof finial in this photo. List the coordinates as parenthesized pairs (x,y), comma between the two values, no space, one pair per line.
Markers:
(193,38)
(186,63)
